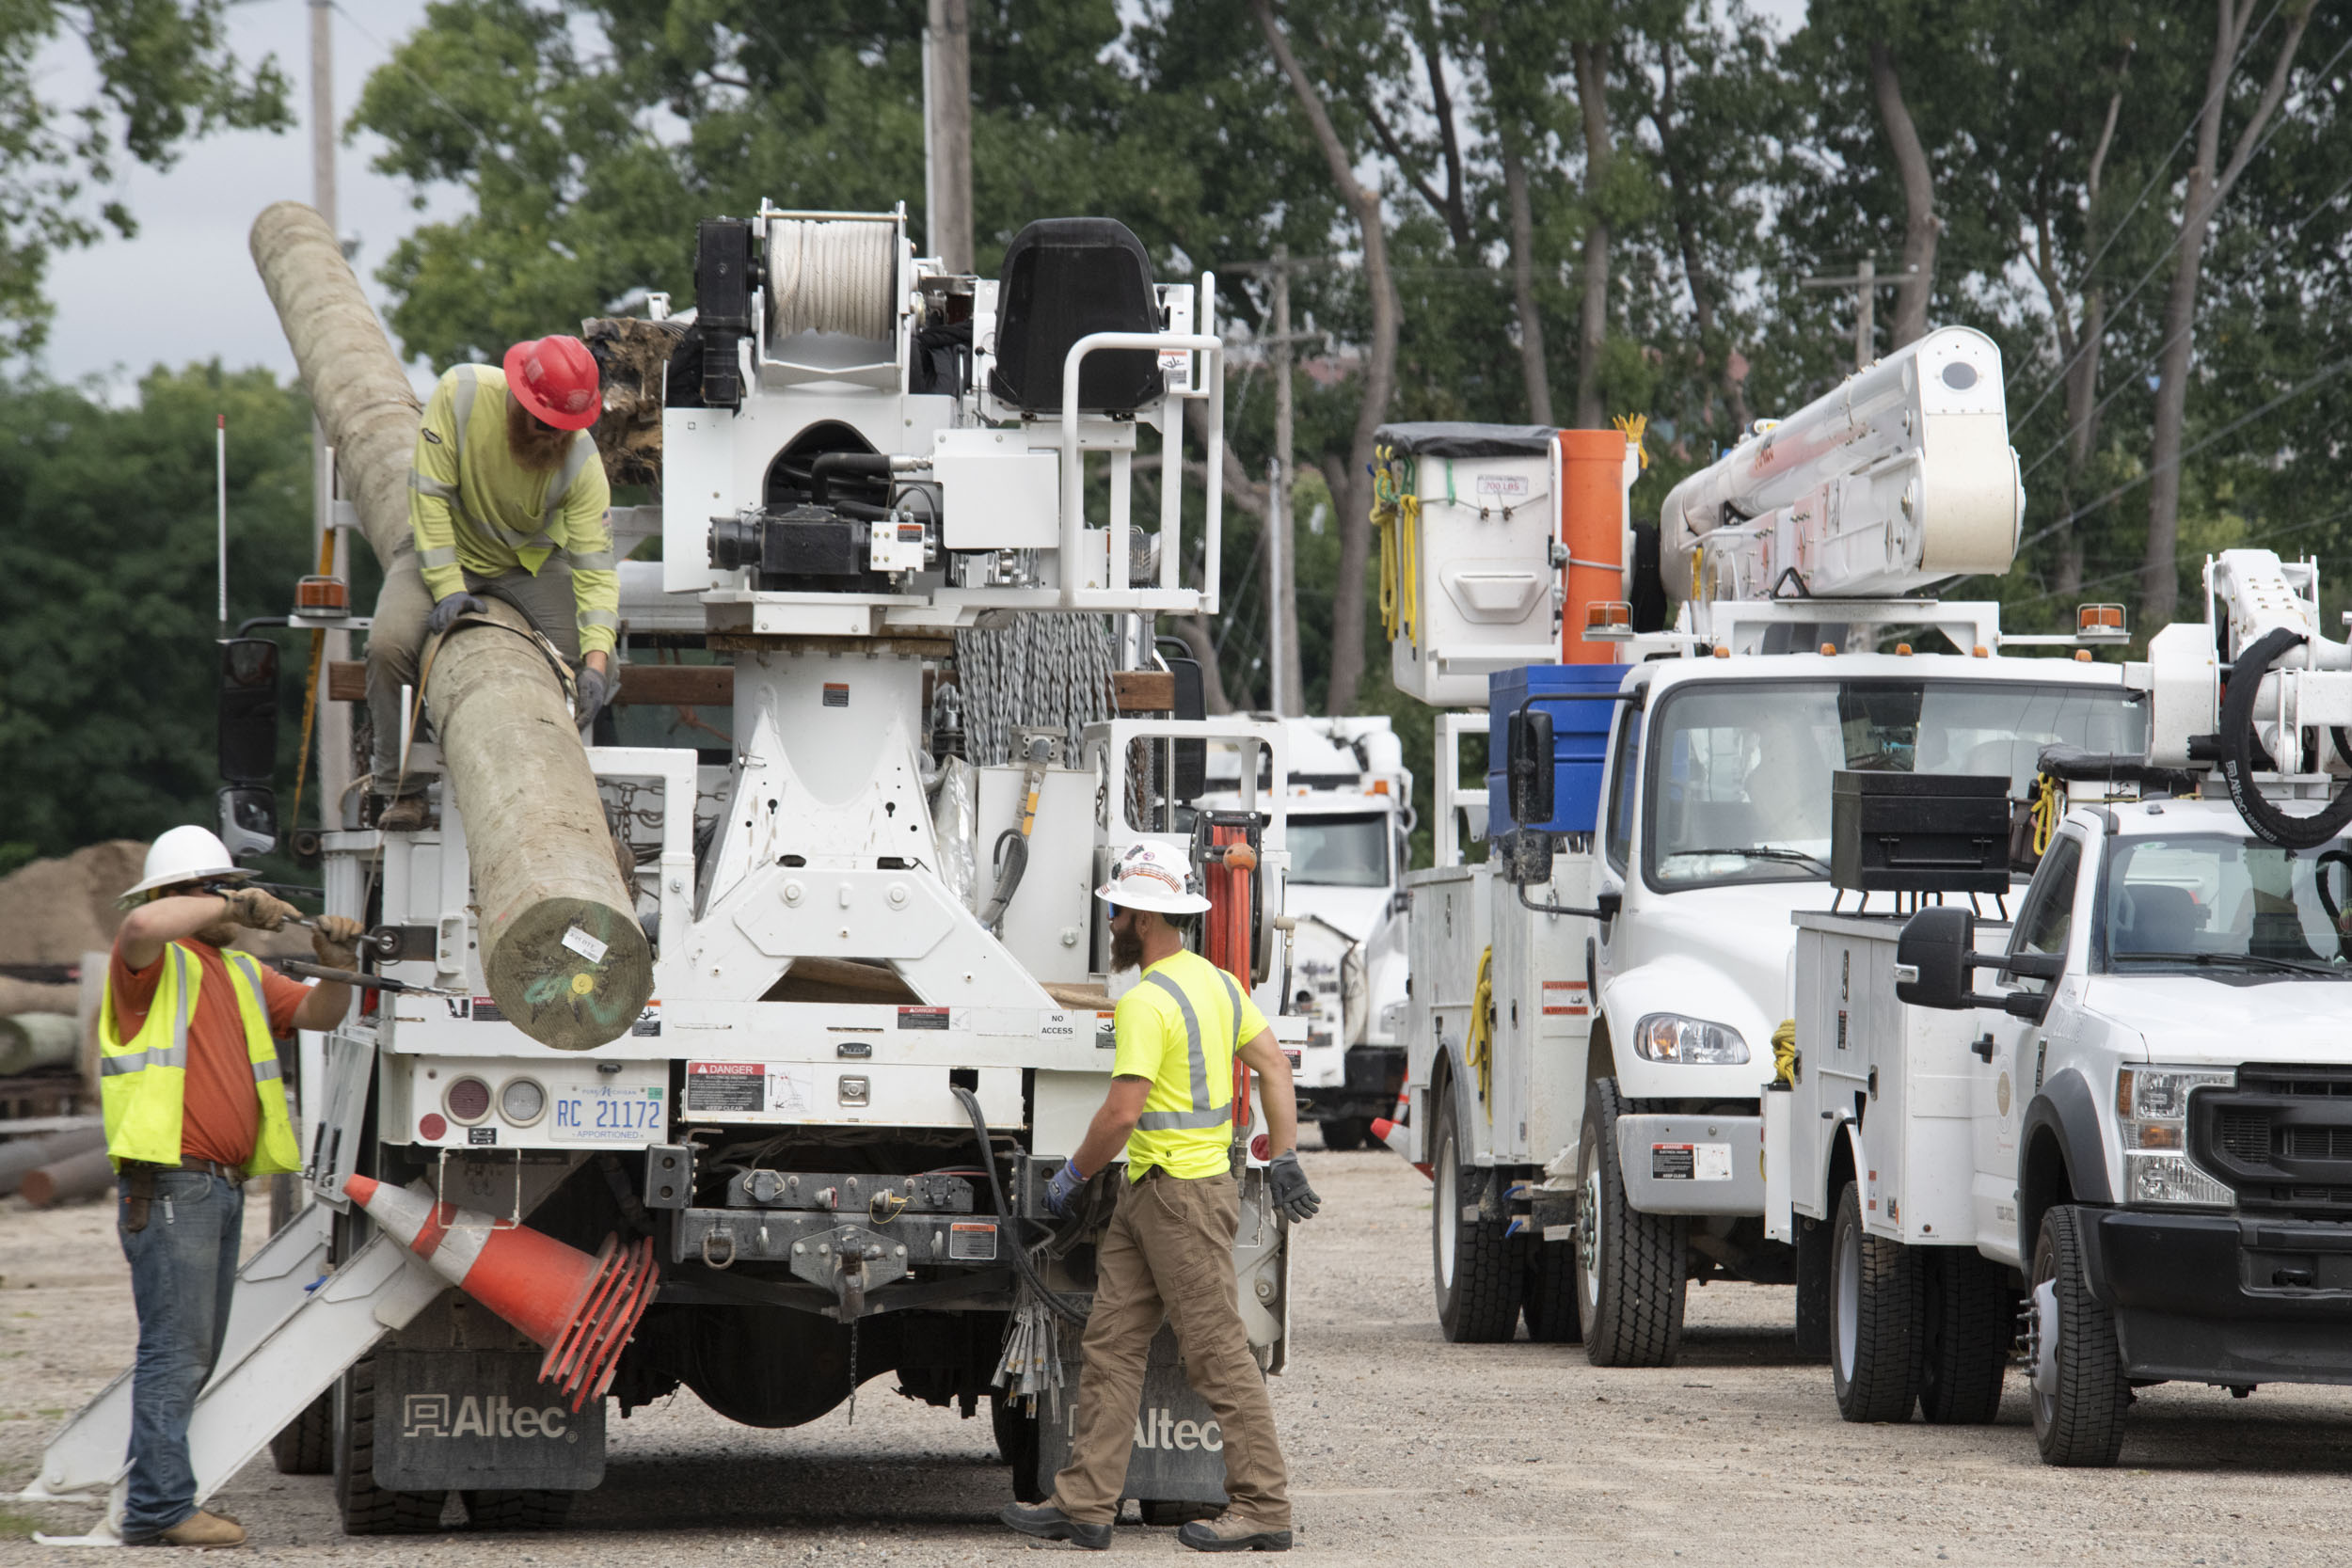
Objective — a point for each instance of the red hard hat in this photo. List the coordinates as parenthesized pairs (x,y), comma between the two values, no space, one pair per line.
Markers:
(556,379)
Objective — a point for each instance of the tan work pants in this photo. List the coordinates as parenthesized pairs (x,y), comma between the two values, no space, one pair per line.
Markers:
(1169,1252)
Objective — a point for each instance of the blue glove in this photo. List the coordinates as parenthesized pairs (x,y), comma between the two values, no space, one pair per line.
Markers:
(1063,1187)
(448,610)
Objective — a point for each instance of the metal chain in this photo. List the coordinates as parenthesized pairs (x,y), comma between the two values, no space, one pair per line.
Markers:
(854,1322)
(1045,670)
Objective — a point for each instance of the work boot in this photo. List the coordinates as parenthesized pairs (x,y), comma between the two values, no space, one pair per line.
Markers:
(201,1529)
(1231,1532)
(403,813)
(1048,1523)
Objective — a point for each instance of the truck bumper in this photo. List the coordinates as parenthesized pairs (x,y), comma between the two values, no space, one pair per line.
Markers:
(1374,1075)
(1693,1164)
(2223,1298)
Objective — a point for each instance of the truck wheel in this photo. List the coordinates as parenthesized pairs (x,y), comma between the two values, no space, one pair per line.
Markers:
(1630,1274)
(367,1508)
(306,1445)
(535,1508)
(1477,1274)
(1970,1325)
(1878,1319)
(1017,1446)
(1341,1133)
(1550,1302)
(2078,1420)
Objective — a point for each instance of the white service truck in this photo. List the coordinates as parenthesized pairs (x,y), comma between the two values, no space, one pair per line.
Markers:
(2143,1132)
(876,1024)
(1347,804)
(1594,1004)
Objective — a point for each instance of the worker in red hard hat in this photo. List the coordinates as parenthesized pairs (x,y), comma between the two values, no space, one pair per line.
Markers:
(507,500)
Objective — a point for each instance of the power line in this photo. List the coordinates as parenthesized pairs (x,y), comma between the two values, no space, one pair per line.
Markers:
(2251,536)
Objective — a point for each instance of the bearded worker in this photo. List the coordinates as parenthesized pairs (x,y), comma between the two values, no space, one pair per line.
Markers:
(1167,1252)
(506,501)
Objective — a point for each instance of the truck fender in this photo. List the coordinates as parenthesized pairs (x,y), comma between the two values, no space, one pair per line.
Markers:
(1680,984)
(2060,1154)
(1460,1086)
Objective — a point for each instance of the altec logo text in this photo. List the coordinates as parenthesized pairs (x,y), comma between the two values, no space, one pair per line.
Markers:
(428,1416)
(1160,1428)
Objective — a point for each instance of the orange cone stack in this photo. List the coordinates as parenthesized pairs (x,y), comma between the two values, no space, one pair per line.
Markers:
(583,1309)
(1392,1133)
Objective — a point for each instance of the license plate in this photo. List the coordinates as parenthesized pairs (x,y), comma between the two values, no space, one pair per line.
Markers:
(600,1111)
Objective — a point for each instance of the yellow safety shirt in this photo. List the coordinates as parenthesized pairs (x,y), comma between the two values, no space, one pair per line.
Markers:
(1181,1028)
(474,509)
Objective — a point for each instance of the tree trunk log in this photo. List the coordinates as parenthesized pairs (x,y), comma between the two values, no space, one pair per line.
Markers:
(20,1155)
(30,1040)
(83,1175)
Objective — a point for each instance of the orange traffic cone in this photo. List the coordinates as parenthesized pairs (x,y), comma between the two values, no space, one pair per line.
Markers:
(583,1309)
(1392,1133)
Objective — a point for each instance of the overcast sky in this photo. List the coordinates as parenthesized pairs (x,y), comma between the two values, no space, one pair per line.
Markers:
(184,290)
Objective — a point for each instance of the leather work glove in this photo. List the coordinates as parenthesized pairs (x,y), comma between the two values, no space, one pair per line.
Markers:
(446,610)
(594,688)
(336,941)
(1063,1187)
(261,911)
(1291,1192)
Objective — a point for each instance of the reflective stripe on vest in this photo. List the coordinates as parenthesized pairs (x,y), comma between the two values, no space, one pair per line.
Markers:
(1202,1114)
(175,1054)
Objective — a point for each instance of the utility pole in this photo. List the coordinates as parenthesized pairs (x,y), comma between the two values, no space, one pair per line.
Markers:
(1865,283)
(947,133)
(1285,680)
(330,547)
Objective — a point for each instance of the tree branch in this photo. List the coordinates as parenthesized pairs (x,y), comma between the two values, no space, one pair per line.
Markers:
(1920,224)
(2274,91)
(1433,58)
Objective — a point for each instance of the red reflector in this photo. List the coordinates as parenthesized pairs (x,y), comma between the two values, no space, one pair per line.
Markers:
(1258,1146)
(431,1126)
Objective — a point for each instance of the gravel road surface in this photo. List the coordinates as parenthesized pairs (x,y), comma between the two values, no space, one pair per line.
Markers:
(1403,1448)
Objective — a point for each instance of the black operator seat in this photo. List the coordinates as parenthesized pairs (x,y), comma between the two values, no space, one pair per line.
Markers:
(1064,279)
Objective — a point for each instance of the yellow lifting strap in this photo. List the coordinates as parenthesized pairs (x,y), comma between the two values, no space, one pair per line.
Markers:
(1634,425)
(1480,1050)
(1396,518)
(2046,810)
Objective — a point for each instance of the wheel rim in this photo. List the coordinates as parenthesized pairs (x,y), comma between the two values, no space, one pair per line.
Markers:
(2044,1405)
(1449,1208)
(1588,1239)
(1846,1296)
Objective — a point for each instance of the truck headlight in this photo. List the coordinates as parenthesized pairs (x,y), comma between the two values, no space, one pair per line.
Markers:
(2151,1115)
(1672,1037)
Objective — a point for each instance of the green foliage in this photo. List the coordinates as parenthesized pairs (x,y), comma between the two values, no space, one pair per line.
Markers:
(165,74)
(107,595)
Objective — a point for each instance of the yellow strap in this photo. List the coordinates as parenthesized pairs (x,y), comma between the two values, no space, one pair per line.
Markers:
(2046,813)
(1634,425)
(1481,1047)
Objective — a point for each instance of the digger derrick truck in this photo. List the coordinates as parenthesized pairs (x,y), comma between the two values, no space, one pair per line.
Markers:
(1594,1003)
(899,712)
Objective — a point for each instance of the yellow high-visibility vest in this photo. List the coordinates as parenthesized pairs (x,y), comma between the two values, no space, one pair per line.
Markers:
(1181,1028)
(143,1080)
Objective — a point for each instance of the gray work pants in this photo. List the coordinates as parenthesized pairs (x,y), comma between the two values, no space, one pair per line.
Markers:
(397,638)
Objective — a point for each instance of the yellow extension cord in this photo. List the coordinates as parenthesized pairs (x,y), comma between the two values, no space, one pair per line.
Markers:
(1396,517)
(2046,813)
(1480,1048)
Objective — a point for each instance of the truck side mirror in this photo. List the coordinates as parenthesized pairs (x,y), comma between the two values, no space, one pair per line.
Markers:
(248,820)
(1931,959)
(1529,762)
(247,710)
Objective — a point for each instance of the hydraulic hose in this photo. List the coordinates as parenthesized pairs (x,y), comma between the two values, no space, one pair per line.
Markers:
(1062,1307)
(2239,748)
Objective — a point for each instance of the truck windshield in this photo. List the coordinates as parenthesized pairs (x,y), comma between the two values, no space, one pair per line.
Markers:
(2219,904)
(1740,774)
(1341,851)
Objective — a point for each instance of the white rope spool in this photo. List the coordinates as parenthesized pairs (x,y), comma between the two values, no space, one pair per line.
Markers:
(831,277)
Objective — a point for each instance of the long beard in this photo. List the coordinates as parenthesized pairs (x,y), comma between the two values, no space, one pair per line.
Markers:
(537,447)
(1126,951)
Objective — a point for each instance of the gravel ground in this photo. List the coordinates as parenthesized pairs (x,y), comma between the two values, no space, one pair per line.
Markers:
(1402,1448)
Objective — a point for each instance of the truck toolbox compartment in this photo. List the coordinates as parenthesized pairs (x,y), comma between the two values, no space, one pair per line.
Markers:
(1919,832)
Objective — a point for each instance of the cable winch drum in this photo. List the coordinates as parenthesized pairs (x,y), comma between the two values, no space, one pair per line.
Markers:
(831,276)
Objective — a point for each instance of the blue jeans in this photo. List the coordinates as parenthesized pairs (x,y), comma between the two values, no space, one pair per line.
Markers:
(183,1266)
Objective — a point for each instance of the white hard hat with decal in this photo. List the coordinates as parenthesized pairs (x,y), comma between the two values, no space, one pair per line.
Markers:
(1151,876)
(189,854)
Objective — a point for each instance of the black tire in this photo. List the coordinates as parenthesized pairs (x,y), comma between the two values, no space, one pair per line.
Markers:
(306,1445)
(1017,1446)
(1342,1133)
(1548,1302)
(1878,1319)
(2080,1422)
(1630,1267)
(1474,1265)
(367,1508)
(533,1507)
(1971,1322)
(1168,1515)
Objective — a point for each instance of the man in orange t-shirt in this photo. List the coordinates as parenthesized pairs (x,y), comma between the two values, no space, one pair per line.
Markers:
(181,1224)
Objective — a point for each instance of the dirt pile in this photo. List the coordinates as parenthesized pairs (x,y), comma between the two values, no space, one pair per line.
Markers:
(52,911)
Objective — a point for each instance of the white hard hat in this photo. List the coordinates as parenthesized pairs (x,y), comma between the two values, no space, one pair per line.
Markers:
(1151,876)
(188,854)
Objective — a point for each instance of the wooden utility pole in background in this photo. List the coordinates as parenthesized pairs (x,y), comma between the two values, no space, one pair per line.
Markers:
(947,134)
(1865,283)
(333,758)
(1285,674)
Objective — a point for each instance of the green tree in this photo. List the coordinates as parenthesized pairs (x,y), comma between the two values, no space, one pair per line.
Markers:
(165,74)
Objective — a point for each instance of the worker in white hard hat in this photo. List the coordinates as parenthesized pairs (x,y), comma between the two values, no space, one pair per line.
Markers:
(1167,1252)
(195,1101)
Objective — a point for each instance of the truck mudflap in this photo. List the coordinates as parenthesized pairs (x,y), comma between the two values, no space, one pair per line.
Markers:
(480,1418)
(1676,1164)
(2219,1298)
(1179,1452)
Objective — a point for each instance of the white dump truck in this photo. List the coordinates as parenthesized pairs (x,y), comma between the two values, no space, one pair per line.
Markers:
(1347,803)
(902,712)
(1594,1004)
(2143,1130)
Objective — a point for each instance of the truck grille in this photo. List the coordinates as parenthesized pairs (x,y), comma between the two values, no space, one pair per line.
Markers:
(2281,1138)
